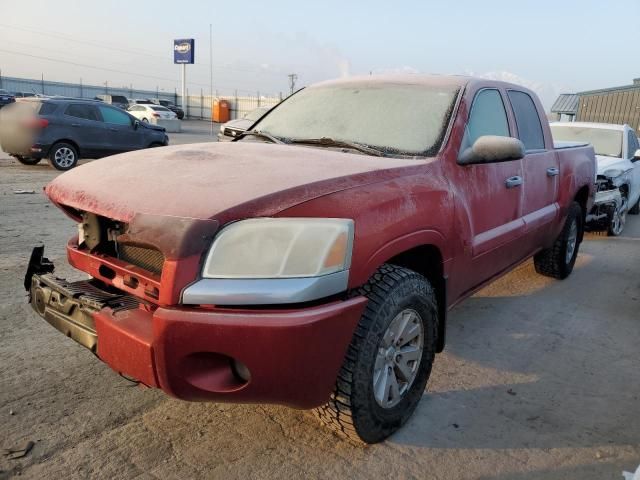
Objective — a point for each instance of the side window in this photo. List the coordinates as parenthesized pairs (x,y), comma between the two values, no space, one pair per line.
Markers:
(527,120)
(632,143)
(114,116)
(487,117)
(81,110)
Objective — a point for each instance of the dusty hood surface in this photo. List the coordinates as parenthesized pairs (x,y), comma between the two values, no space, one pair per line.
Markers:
(203,180)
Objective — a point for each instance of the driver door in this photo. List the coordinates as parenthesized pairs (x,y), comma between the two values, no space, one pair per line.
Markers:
(122,136)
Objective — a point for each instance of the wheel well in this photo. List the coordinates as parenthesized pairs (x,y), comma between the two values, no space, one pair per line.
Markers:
(70,142)
(582,197)
(427,261)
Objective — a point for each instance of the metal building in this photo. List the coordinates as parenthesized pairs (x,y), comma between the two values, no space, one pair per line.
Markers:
(567,105)
(608,105)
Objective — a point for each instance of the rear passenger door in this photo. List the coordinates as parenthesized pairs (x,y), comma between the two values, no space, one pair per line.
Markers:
(541,170)
(122,136)
(85,128)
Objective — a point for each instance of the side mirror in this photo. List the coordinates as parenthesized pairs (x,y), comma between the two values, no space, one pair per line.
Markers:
(136,124)
(636,155)
(492,149)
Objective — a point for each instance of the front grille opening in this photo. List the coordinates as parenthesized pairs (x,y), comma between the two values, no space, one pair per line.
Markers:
(148,259)
(100,235)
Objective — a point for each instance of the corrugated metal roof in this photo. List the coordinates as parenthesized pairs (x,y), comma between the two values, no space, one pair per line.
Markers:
(566,103)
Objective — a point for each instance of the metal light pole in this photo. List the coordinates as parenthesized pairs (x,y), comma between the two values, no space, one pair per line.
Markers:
(211,76)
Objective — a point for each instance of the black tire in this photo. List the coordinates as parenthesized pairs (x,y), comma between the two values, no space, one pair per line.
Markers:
(553,262)
(27,160)
(353,410)
(63,156)
(635,210)
(156,144)
(145,120)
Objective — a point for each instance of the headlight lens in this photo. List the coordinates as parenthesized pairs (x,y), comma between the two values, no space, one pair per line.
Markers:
(281,248)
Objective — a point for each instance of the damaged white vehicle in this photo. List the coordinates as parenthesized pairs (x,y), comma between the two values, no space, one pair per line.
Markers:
(618,177)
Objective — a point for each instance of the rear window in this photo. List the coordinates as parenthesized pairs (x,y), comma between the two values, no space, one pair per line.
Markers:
(81,110)
(119,99)
(47,108)
(527,120)
(160,109)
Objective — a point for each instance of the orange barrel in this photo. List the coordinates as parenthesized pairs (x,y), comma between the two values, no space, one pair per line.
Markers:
(220,111)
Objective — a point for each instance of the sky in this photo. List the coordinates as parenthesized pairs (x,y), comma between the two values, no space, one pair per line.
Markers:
(550,46)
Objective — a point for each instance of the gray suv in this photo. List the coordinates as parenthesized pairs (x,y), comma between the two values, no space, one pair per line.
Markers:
(66,129)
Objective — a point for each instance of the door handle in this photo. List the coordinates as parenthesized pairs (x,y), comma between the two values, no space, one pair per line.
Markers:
(113,129)
(76,125)
(513,181)
(552,172)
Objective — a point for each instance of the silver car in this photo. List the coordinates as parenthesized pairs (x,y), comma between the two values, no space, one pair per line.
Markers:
(233,128)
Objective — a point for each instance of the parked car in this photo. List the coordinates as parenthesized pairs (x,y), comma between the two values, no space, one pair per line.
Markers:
(24,94)
(6,98)
(65,130)
(146,112)
(233,128)
(618,180)
(119,101)
(141,101)
(167,104)
(312,262)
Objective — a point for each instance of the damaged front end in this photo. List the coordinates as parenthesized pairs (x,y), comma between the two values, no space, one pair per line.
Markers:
(70,306)
(609,201)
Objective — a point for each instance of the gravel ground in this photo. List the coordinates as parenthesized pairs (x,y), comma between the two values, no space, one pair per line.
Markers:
(539,381)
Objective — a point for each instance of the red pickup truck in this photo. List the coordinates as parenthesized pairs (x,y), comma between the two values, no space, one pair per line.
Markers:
(312,262)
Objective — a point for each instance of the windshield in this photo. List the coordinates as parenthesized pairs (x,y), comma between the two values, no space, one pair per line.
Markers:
(394,118)
(254,115)
(118,99)
(164,103)
(3,92)
(605,142)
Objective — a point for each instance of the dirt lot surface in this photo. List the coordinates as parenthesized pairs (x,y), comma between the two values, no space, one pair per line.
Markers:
(540,380)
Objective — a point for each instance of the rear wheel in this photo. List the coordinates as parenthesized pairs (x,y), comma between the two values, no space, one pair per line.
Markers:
(558,261)
(27,160)
(145,120)
(63,156)
(389,359)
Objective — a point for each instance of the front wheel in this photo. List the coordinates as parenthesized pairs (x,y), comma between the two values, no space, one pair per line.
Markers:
(618,219)
(63,156)
(558,261)
(389,359)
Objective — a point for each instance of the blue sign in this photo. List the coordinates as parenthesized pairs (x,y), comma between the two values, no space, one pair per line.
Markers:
(183,50)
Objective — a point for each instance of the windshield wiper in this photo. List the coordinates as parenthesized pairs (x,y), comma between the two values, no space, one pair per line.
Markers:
(330,142)
(258,133)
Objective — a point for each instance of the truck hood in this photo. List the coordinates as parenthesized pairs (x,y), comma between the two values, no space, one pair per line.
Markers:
(216,180)
(607,163)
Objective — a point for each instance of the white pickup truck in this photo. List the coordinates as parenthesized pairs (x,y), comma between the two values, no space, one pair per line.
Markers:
(618,177)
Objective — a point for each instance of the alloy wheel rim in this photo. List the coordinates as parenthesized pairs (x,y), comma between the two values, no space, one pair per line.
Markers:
(571,242)
(618,221)
(398,358)
(64,157)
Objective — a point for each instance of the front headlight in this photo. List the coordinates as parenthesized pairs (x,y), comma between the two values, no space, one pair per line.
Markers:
(281,248)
